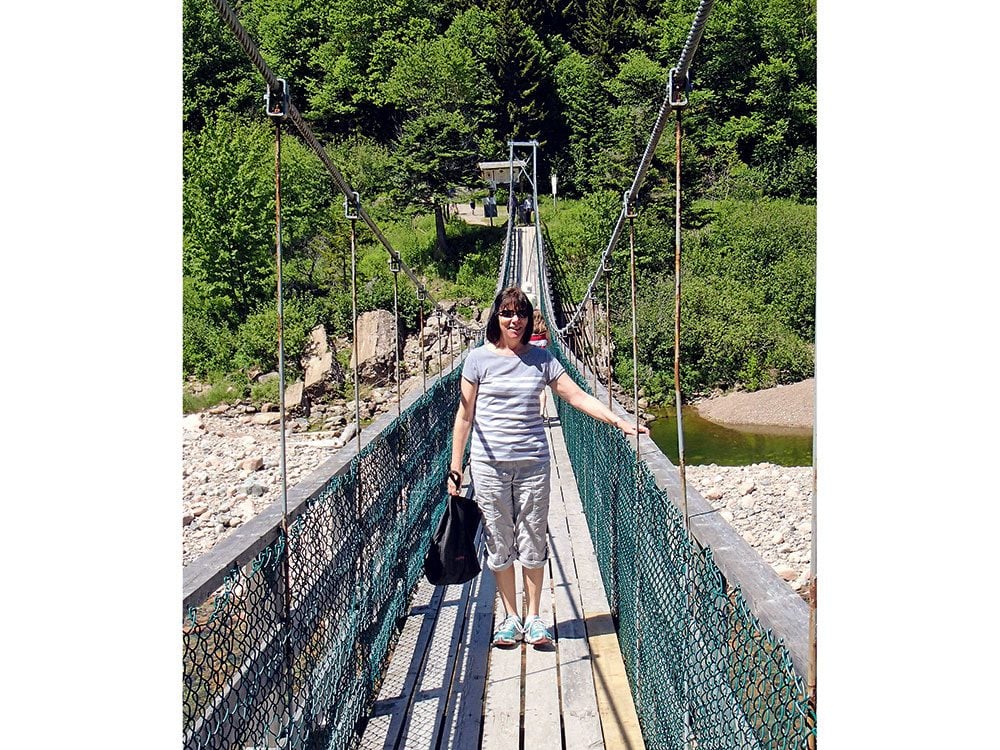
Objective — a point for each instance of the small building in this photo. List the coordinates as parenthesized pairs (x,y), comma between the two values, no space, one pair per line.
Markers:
(498,172)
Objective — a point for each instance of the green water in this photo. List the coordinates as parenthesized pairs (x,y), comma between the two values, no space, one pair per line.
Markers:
(710,443)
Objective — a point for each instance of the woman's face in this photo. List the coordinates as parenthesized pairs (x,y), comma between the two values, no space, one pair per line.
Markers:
(512,320)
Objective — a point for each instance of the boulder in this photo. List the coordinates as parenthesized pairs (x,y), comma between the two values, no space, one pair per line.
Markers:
(322,370)
(294,395)
(252,464)
(266,417)
(376,346)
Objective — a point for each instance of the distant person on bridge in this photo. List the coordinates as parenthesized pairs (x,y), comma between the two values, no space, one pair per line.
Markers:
(509,462)
(540,337)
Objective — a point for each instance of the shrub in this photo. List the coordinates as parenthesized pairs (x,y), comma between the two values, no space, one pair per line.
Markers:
(257,347)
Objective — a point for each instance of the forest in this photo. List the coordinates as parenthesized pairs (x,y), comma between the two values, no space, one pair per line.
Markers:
(408,95)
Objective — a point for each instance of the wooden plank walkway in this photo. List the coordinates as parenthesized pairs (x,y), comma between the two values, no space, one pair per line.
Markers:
(446,687)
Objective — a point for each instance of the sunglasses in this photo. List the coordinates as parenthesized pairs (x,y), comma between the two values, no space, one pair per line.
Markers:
(522,313)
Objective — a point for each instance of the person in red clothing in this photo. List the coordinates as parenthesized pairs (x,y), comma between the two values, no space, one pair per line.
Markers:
(540,337)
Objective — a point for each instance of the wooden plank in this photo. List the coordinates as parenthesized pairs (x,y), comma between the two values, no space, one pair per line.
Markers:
(619,720)
(392,704)
(580,715)
(465,704)
(502,712)
(426,713)
(541,682)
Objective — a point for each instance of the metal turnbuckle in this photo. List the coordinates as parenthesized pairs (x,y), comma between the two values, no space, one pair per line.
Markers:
(277,102)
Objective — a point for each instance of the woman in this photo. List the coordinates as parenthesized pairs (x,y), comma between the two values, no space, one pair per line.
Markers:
(540,337)
(501,383)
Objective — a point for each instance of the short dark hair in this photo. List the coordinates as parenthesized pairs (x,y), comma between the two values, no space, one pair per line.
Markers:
(518,300)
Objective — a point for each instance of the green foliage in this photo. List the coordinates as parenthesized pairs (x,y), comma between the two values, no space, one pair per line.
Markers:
(216,75)
(221,391)
(748,296)
(207,345)
(268,391)
(408,94)
(228,197)
(436,151)
(257,337)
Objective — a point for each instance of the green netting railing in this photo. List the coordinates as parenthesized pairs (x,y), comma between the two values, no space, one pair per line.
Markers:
(704,672)
(292,656)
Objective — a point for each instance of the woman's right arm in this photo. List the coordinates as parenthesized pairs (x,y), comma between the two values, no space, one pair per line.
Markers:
(463,427)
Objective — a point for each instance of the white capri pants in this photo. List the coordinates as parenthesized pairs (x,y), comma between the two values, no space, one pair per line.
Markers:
(514,499)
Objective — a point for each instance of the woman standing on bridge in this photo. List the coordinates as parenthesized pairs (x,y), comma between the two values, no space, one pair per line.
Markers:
(509,461)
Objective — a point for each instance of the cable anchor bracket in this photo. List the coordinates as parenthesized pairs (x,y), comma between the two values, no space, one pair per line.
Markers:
(277,102)
(352,206)
(628,206)
(677,90)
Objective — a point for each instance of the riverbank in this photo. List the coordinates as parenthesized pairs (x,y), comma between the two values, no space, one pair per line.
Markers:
(783,406)
(231,468)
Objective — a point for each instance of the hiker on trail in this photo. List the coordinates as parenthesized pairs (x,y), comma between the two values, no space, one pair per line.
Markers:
(509,456)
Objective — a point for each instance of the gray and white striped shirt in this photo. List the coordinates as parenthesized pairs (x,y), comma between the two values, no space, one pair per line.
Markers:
(507,425)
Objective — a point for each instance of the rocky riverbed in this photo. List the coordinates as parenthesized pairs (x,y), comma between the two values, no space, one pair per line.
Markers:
(231,465)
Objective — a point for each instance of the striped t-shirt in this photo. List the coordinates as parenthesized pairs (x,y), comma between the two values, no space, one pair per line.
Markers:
(507,425)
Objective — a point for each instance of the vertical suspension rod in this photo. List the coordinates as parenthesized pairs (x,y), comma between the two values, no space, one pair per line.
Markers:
(688,573)
(638,493)
(677,319)
(635,332)
(423,360)
(354,343)
(395,308)
(607,328)
(285,567)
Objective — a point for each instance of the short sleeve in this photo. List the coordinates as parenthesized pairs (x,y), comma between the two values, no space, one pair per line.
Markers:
(470,370)
(553,368)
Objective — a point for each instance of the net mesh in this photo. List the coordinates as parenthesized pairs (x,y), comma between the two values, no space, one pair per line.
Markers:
(292,655)
(701,667)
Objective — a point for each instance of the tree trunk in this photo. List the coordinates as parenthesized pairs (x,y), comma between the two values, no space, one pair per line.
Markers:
(442,239)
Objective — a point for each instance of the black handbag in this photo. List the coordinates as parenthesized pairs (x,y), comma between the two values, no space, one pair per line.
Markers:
(451,557)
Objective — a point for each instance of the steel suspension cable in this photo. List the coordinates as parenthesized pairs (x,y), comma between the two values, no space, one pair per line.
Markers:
(671,101)
(692,42)
(231,20)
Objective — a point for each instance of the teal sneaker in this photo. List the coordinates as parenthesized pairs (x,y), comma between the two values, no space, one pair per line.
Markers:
(536,633)
(508,632)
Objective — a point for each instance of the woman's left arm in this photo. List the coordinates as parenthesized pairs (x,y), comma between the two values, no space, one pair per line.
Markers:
(580,400)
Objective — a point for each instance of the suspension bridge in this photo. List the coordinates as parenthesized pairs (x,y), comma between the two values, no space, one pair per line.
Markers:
(311,626)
